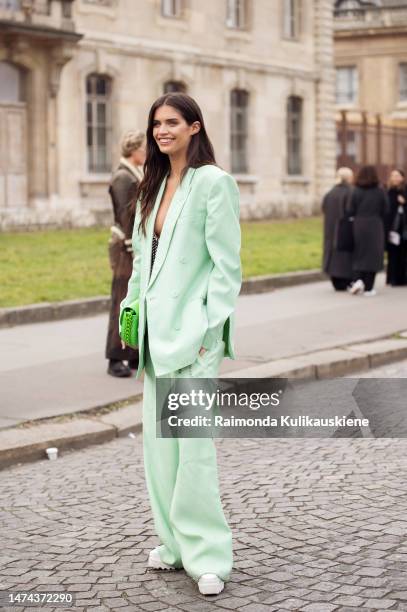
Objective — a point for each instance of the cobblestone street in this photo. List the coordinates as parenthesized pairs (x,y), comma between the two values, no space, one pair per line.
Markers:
(319,525)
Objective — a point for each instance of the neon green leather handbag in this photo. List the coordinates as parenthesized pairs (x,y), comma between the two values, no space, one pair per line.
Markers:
(129,324)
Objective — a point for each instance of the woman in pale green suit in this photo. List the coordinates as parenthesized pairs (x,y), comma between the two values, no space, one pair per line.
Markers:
(187,276)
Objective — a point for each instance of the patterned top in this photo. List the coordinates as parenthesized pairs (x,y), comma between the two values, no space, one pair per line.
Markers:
(154,250)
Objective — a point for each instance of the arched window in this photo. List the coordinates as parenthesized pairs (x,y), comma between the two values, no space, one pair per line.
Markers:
(12,83)
(239,102)
(13,137)
(294,135)
(99,122)
(172,86)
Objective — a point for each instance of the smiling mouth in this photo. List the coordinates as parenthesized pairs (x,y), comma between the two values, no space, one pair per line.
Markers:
(165,140)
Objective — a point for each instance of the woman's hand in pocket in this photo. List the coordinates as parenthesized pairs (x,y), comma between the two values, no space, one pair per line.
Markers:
(202,350)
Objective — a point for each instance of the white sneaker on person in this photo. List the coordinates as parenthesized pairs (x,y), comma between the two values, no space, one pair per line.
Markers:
(370,293)
(210,584)
(154,561)
(357,287)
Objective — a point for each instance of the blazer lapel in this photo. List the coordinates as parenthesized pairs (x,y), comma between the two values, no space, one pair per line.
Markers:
(173,213)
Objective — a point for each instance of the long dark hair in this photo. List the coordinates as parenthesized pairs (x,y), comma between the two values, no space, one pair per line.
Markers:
(200,151)
(367,177)
(402,185)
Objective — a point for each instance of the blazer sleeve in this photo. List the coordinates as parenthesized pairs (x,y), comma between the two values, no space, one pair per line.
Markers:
(223,241)
(133,287)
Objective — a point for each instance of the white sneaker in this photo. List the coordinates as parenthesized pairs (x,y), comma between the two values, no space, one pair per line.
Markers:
(370,293)
(154,561)
(357,287)
(210,584)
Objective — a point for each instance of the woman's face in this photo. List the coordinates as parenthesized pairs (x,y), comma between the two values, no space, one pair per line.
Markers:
(396,178)
(171,132)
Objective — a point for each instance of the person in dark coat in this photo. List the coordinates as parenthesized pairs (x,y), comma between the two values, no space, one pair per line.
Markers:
(337,264)
(122,190)
(397,230)
(369,207)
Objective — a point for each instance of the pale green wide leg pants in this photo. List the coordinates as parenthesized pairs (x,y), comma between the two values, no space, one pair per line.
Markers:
(182,481)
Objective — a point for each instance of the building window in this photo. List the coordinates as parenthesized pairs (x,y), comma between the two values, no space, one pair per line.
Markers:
(403,82)
(171,8)
(12,83)
(99,2)
(346,85)
(294,135)
(173,86)
(292,16)
(236,16)
(239,102)
(99,122)
(67,9)
(10,5)
(353,145)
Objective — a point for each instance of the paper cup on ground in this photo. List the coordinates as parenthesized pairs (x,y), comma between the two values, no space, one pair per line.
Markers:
(52,453)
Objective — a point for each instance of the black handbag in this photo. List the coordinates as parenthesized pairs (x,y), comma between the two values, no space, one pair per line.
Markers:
(344,239)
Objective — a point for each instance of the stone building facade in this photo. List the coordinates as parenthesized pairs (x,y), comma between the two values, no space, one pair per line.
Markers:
(76,74)
(371,56)
(371,81)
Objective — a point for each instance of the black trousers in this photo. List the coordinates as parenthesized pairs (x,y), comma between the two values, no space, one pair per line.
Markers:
(340,284)
(367,277)
(397,264)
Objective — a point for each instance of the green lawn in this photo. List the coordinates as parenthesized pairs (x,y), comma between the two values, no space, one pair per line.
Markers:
(272,247)
(50,266)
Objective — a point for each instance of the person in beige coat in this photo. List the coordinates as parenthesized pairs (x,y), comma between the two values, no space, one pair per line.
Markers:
(122,189)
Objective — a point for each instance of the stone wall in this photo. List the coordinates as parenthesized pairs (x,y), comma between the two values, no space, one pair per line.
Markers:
(140,50)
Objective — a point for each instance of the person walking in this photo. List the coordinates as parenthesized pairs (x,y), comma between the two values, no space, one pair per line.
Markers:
(187,276)
(122,188)
(337,264)
(369,207)
(397,230)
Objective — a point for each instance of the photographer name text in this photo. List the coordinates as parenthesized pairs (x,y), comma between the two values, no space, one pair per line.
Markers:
(267,421)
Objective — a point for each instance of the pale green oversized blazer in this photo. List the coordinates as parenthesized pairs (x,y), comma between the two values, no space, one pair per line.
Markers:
(190,297)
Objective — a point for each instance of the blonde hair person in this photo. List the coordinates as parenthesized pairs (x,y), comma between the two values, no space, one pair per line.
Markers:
(123,186)
(133,141)
(336,264)
(344,175)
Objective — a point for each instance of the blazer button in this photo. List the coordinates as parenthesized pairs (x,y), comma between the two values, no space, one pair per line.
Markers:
(175,294)
(177,326)
(183,260)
